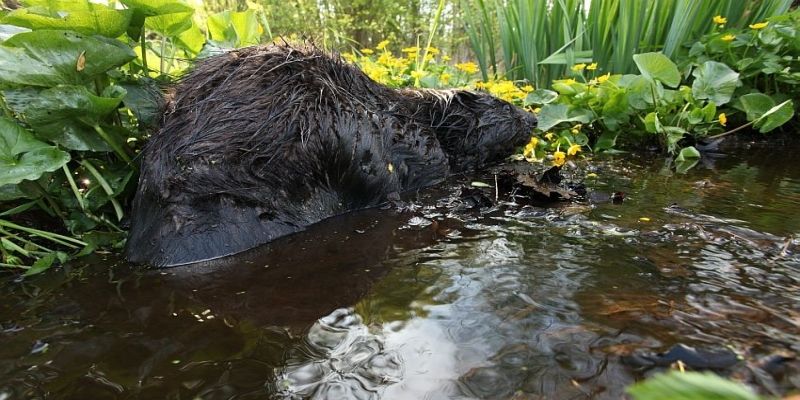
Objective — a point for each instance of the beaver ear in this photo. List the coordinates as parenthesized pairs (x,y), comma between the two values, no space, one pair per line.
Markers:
(465,96)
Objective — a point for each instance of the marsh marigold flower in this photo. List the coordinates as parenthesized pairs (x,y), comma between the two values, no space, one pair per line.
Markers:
(559,158)
(723,119)
(760,25)
(579,67)
(603,78)
(444,78)
(720,20)
(728,37)
(382,45)
(549,135)
(574,149)
(468,67)
(417,74)
(367,51)
(591,67)
(528,152)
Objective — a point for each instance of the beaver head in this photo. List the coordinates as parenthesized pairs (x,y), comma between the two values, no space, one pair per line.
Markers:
(476,129)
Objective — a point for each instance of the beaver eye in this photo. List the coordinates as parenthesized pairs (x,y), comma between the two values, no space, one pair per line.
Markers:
(507,108)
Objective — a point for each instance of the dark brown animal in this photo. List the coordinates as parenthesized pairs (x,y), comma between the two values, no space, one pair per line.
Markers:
(262,142)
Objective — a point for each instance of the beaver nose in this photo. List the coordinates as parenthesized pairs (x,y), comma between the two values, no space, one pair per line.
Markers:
(531,121)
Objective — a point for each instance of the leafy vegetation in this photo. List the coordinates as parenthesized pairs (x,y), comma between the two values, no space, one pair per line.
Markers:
(78,90)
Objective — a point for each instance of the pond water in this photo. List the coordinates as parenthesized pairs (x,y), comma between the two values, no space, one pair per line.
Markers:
(572,300)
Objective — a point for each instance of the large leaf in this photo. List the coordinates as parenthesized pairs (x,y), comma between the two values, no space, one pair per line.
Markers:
(158,7)
(715,81)
(100,20)
(690,386)
(234,29)
(64,114)
(658,67)
(755,105)
(23,157)
(145,100)
(540,96)
(170,25)
(51,58)
(554,114)
(775,117)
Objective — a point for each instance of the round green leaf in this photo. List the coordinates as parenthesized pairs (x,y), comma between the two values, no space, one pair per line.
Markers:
(170,25)
(31,165)
(99,21)
(658,67)
(775,117)
(554,114)
(64,114)
(540,97)
(715,81)
(51,58)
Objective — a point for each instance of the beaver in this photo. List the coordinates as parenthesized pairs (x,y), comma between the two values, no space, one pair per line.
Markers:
(261,142)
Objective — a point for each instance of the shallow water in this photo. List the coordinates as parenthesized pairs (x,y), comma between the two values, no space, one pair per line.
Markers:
(566,301)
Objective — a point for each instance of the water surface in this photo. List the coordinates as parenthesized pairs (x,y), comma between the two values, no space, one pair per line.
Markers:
(438,301)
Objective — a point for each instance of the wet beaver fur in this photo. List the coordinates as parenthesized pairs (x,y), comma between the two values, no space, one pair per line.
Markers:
(262,142)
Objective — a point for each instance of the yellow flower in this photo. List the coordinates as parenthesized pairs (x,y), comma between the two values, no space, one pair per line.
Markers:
(574,149)
(367,51)
(728,37)
(579,67)
(603,78)
(417,74)
(444,78)
(723,119)
(549,135)
(527,88)
(468,67)
(720,20)
(382,45)
(349,57)
(433,50)
(559,158)
(537,110)
(529,151)
(592,66)
(411,50)
(760,25)
(445,58)
(576,129)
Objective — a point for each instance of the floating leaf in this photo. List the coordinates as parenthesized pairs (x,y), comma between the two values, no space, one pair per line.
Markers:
(23,157)
(715,81)
(658,67)
(49,58)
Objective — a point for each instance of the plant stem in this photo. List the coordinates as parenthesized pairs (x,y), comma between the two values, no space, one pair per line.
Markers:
(73,186)
(114,145)
(723,134)
(143,38)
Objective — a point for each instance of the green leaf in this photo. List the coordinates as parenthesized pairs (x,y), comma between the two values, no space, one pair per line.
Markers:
(64,114)
(52,58)
(99,20)
(775,117)
(540,97)
(688,153)
(170,25)
(715,81)
(234,29)
(145,101)
(658,67)
(641,92)
(755,105)
(158,7)
(606,141)
(191,39)
(554,114)
(41,265)
(690,386)
(31,165)
(23,157)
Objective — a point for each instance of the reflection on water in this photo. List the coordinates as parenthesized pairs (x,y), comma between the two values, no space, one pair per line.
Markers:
(571,301)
